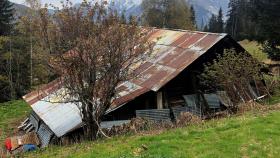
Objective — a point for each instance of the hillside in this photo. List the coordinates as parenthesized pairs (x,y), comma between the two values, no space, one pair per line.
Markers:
(255,49)
(252,135)
(11,114)
(22,10)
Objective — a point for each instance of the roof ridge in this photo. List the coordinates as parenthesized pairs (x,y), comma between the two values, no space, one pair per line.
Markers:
(193,31)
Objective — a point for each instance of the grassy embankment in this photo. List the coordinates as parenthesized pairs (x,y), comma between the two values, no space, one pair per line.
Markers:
(254,49)
(251,135)
(11,114)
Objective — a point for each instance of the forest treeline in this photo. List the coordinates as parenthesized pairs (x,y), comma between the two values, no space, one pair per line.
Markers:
(253,20)
(24,64)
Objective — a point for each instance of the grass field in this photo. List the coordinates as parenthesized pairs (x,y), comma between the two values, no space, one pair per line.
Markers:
(11,113)
(254,49)
(251,135)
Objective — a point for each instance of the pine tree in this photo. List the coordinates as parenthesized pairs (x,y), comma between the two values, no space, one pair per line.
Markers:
(265,13)
(123,18)
(216,23)
(212,26)
(220,22)
(231,26)
(192,17)
(206,29)
(240,24)
(6,17)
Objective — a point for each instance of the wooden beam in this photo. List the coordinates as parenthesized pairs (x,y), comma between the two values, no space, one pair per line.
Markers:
(159,100)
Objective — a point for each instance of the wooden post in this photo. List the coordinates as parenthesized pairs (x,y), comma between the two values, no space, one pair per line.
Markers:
(159,100)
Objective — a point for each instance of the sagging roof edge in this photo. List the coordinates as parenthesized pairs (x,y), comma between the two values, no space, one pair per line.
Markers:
(156,90)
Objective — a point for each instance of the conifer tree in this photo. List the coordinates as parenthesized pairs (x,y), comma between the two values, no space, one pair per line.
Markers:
(220,22)
(6,17)
(231,26)
(216,23)
(123,18)
(266,15)
(205,28)
(240,24)
(212,26)
(192,18)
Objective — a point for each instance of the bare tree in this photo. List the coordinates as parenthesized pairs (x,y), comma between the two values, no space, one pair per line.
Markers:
(93,52)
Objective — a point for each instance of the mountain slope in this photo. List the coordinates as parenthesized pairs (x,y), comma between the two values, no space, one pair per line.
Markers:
(20,9)
(203,8)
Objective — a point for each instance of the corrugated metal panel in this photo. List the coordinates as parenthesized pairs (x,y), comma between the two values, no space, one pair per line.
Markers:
(174,51)
(154,114)
(62,117)
(43,92)
(224,98)
(213,101)
(190,100)
(34,120)
(45,135)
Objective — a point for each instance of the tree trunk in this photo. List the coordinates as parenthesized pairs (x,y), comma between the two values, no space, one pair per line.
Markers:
(91,126)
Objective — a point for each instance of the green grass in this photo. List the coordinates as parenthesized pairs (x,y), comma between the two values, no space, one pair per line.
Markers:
(254,49)
(275,98)
(11,113)
(251,135)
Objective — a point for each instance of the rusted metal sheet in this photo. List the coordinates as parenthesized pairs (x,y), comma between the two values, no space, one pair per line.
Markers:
(43,92)
(154,114)
(174,51)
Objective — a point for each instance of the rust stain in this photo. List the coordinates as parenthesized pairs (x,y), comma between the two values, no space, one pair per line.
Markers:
(207,42)
(174,52)
(192,40)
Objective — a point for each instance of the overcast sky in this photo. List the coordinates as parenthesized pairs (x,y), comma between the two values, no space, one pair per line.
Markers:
(54,2)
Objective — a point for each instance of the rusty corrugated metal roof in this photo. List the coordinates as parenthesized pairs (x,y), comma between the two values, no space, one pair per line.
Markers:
(174,51)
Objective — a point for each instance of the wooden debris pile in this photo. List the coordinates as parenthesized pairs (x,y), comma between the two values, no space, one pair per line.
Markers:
(138,125)
(187,118)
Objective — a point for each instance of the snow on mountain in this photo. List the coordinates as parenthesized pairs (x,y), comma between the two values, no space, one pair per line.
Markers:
(203,8)
(129,7)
